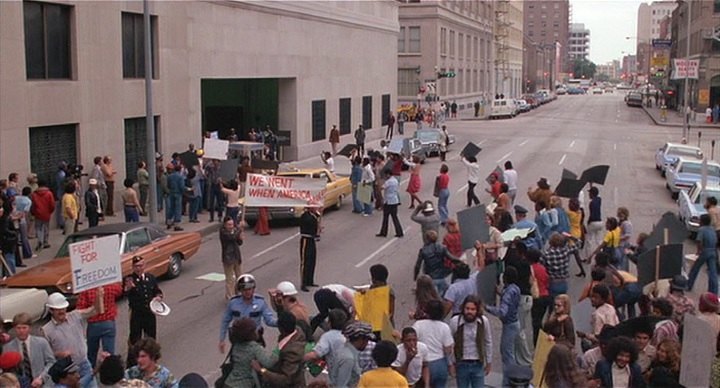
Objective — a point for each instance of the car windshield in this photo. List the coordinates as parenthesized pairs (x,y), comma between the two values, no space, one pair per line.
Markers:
(707,194)
(426,135)
(64,250)
(688,152)
(696,168)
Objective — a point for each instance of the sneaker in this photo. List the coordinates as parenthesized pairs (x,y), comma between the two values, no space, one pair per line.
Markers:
(46,246)
(366,215)
(33,256)
(178,229)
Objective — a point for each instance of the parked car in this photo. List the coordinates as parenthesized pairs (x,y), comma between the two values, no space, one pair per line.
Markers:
(22,300)
(532,100)
(408,147)
(560,91)
(634,99)
(430,139)
(668,153)
(337,189)
(683,173)
(164,255)
(691,204)
(576,91)
(597,91)
(522,105)
(503,108)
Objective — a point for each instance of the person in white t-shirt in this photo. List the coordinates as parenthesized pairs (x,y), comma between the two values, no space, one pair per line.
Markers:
(436,334)
(411,360)
(510,178)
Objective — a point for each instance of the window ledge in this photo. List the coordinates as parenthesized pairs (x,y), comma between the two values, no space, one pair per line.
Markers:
(410,54)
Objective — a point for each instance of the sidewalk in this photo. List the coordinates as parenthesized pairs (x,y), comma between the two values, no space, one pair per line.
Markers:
(675,119)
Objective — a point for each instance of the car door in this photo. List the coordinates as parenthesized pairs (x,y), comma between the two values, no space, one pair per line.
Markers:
(671,171)
(331,189)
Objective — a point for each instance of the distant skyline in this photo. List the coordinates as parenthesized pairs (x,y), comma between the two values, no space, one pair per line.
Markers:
(609,22)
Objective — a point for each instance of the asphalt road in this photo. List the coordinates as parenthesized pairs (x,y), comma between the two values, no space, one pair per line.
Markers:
(574,132)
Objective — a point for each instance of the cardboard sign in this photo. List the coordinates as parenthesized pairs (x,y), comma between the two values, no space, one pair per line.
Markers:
(676,231)
(228,169)
(216,149)
(569,188)
(473,226)
(698,352)
(262,164)
(470,150)
(486,285)
(364,193)
(511,234)
(282,191)
(500,175)
(595,174)
(373,306)
(189,159)
(386,334)
(671,258)
(567,174)
(95,263)
(581,315)
(542,350)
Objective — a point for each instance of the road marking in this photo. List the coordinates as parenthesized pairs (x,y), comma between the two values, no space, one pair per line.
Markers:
(504,157)
(270,248)
(465,186)
(382,247)
(524,142)
(615,147)
(562,159)
(572,143)
(483,141)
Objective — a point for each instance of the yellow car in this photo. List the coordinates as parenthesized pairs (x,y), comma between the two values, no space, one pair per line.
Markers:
(338,188)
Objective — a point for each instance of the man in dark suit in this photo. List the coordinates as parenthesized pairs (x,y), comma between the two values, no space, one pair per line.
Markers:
(93,206)
(37,355)
(141,288)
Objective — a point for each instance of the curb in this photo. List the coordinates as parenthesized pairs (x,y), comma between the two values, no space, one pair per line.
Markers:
(679,125)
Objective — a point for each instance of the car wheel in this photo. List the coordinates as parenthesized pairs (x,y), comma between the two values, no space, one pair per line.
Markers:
(339,202)
(662,173)
(174,266)
(675,195)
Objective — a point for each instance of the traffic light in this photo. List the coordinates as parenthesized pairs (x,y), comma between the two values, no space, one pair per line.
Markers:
(449,74)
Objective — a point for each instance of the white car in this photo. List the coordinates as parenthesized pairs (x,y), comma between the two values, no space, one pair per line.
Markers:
(503,108)
(668,153)
(22,300)
(684,173)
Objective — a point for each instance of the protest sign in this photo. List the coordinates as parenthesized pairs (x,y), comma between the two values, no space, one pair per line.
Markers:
(698,352)
(228,169)
(347,150)
(373,305)
(214,135)
(473,226)
(595,174)
(511,234)
(670,263)
(216,149)
(282,191)
(395,146)
(581,315)
(567,174)
(189,159)
(676,231)
(569,188)
(498,172)
(542,350)
(95,263)
(386,334)
(262,164)
(471,149)
(486,284)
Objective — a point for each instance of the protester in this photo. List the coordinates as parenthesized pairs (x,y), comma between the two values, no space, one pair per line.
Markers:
(431,259)
(626,231)
(425,292)
(556,259)
(541,192)
(666,328)
(681,303)
(66,332)
(620,369)
(330,344)
(510,178)
(148,369)
(244,349)
(329,297)
(436,334)
(231,238)
(70,209)
(708,308)
(463,285)
(543,222)
(328,160)
(411,359)
(131,203)
(284,298)
(246,304)
(453,239)
(560,324)
(706,254)
(473,347)
(66,373)
(473,171)
(232,193)
(591,357)
(309,233)
(494,182)
(594,222)
(542,302)
(378,278)
(415,182)
(503,200)
(561,369)
(604,313)
(507,312)
(141,288)
(378,168)
(101,329)
(43,206)
(384,354)
(392,201)
(428,219)
(288,371)
(8,235)
(516,259)
(646,351)
(442,182)
(489,252)
(665,370)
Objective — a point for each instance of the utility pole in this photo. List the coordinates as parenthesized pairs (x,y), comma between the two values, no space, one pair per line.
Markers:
(149,119)
(686,91)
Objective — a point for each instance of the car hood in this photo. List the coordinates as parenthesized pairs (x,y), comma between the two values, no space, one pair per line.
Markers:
(51,274)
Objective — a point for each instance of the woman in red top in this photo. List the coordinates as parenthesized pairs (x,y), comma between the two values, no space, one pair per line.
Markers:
(452,238)
(414,185)
(544,301)
(443,183)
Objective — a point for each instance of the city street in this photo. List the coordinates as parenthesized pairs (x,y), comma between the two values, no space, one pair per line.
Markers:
(574,132)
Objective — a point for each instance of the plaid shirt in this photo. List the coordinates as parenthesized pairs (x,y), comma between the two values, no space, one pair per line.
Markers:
(557,261)
(113,292)
(681,305)
(365,359)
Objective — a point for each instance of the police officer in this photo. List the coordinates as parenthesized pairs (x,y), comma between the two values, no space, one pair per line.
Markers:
(246,304)
(141,288)
(309,232)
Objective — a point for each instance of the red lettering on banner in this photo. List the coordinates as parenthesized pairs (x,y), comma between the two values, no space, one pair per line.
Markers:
(256,180)
(84,247)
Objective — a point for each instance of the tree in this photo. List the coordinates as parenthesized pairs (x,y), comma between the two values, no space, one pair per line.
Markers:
(583,68)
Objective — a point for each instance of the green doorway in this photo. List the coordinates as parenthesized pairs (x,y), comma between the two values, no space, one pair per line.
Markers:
(239,103)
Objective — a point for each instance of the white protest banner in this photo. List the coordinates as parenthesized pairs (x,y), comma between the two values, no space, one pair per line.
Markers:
(216,149)
(685,68)
(698,351)
(282,191)
(95,263)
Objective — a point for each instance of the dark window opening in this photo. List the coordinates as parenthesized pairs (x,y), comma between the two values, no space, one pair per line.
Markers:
(318,120)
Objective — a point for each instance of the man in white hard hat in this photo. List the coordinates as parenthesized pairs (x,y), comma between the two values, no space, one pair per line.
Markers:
(284,298)
(246,304)
(66,332)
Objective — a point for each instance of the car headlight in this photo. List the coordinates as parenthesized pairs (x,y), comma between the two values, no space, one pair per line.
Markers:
(694,221)
(66,288)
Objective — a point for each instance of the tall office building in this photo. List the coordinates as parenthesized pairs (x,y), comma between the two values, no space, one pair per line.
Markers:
(650,26)
(579,42)
(547,22)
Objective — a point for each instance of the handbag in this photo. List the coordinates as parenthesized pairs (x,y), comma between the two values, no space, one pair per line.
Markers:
(534,288)
(436,188)
(225,368)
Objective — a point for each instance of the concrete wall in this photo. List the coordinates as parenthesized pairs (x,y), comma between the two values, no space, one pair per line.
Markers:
(320,50)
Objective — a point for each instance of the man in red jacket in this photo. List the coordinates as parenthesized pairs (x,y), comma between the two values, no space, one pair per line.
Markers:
(43,206)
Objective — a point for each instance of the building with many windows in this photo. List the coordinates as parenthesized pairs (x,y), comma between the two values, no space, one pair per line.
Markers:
(72,75)
(508,48)
(547,22)
(650,26)
(578,42)
(448,36)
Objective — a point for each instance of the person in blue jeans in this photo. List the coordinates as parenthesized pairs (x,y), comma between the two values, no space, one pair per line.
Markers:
(356,173)
(473,344)
(194,188)
(176,187)
(507,312)
(707,254)
(443,185)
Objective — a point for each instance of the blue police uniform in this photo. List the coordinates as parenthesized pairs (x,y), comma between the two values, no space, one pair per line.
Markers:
(238,308)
